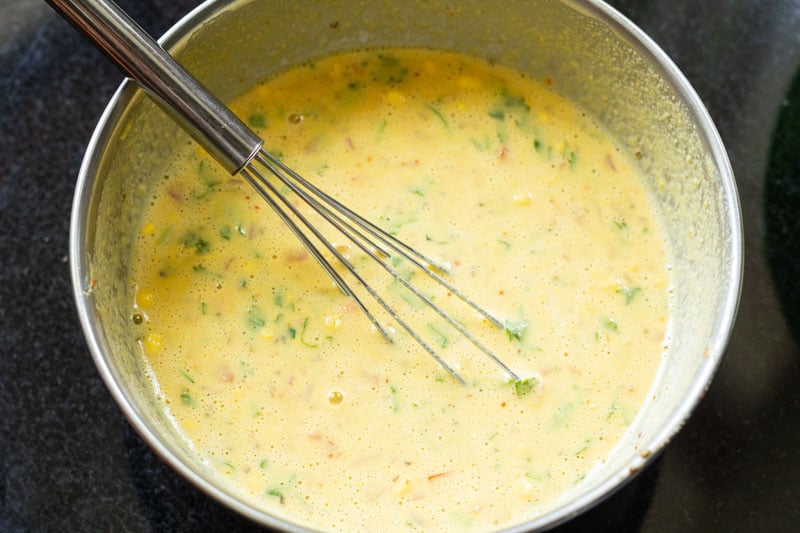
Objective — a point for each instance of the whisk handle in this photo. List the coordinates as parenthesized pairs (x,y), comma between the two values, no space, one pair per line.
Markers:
(204,117)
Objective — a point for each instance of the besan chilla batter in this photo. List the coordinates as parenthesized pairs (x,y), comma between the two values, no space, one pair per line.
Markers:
(279,382)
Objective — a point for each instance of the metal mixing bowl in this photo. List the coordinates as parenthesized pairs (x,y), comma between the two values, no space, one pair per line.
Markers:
(594,56)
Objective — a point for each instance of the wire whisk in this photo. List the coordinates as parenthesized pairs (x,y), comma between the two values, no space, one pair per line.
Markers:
(240,150)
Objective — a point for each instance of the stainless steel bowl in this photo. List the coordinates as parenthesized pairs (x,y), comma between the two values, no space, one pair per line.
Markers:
(594,55)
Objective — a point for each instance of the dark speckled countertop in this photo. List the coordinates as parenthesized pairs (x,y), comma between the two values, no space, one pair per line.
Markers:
(69,461)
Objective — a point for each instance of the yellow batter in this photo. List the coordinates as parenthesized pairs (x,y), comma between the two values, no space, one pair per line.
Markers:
(281,384)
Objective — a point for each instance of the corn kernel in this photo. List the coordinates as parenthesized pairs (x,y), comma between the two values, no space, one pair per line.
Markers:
(148,230)
(468,82)
(144,299)
(267,335)
(189,424)
(395,98)
(522,199)
(152,343)
(333,323)
(405,488)
(525,488)
(250,267)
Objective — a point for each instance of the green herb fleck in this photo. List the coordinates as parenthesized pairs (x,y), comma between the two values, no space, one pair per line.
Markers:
(188,400)
(257,120)
(225,233)
(572,158)
(275,493)
(515,329)
(523,387)
(245,370)
(562,414)
(483,145)
(303,335)
(186,376)
(586,444)
(617,409)
(255,318)
(291,332)
(620,224)
(441,338)
(210,179)
(390,70)
(264,463)
(438,114)
(538,476)
(497,114)
(193,240)
(395,399)
(629,293)
(514,101)
(610,324)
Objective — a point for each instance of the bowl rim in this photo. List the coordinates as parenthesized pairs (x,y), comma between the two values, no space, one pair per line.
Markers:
(597,9)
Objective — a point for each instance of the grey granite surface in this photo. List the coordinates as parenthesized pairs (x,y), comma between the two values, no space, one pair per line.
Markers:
(69,461)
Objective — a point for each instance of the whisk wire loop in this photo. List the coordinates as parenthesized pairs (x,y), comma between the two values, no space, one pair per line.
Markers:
(373,241)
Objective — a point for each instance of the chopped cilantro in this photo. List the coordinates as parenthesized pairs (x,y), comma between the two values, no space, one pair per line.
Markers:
(193,240)
(255,318)
(188,400)
(275,493)
(303,335)
(441,338)
(439,115)
(523,387)
(610,324)
(257,120)
(515,329)
(514,101)
(629,293)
